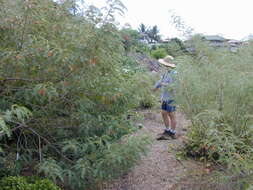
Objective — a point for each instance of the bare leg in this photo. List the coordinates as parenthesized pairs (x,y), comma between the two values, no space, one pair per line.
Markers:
(172,116)
(166,118)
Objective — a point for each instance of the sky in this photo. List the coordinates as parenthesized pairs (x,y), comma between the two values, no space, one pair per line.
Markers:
(228,18)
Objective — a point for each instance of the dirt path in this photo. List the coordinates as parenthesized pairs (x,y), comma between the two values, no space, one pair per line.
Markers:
(160,169)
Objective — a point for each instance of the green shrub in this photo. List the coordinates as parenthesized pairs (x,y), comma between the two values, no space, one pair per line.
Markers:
(142,48)
(25,183)
(67,72)
(147,101)
(175,47)
(144,96)
(4,172)
(214,90)
(44,184)
(18,183)
(159,53)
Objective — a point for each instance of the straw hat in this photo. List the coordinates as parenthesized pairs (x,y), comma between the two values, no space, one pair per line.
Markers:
(167,61)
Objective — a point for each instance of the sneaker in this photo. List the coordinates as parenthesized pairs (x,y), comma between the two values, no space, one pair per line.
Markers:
(166,135)
(171,134)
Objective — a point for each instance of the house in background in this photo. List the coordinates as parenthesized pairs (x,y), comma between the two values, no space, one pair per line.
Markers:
(215,40)
(144,38)
(233,45)
(165,41)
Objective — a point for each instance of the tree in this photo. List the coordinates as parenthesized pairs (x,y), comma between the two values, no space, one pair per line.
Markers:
(142,28)
(64,96)
(130,38)
(143,32)
(153,34)
(180,25)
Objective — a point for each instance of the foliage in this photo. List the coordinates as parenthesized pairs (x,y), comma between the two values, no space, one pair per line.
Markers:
(145,98)
(142,28)
(158,53)
(147,101)
(18,183)
(130,38)
(22,183)
(117,158)
(17,114)
(65,92)
(143,48)
(174,47)
(149,34)
(214,90)
(138,40)
(180,25)
(153,34)
(44,184)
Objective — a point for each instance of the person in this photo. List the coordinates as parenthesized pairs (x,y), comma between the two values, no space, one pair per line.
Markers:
(168,107)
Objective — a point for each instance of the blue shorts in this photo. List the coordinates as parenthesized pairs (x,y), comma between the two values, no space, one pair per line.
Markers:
(167,106)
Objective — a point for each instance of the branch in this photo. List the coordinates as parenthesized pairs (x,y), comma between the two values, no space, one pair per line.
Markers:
(40,136)
(49,143)
(20,46)
(12,130)
(22,79)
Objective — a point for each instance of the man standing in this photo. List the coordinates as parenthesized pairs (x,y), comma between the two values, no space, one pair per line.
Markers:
(166,84)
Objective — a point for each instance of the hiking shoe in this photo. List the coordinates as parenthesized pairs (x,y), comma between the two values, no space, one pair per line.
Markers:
(171,134)
(166,135)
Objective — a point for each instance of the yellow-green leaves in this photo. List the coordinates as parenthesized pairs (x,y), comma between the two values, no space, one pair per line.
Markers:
(4,129)
(17,114)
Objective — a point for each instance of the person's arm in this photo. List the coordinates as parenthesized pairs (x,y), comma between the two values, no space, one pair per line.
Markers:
(158,84)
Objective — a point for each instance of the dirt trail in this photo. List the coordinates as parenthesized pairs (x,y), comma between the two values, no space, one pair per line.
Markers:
(160,169)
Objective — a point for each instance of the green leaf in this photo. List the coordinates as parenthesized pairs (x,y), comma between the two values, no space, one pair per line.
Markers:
(4,129)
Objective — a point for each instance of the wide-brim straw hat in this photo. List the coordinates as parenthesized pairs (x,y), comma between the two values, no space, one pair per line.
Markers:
(167,61)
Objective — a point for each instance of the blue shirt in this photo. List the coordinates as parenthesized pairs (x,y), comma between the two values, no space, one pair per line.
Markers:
(166,84)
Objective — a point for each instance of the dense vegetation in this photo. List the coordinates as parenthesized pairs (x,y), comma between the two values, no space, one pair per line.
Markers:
(215,91)
(66,93)
(68,90)
(26,183)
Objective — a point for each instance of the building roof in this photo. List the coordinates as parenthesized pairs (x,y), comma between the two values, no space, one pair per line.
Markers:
(214,38)
(234,41)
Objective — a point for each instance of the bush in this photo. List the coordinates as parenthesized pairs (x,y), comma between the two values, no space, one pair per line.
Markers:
(44,184)
(21,183)
(18,183)
(147,101)
(158,53)
(130,38)
(214,90)
(65,91)
(144,96)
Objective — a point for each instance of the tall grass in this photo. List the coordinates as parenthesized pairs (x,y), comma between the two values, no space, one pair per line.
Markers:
(215,90)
